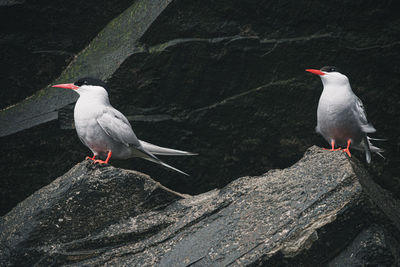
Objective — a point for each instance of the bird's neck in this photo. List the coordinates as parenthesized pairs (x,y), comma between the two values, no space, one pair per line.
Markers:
(337,91)
(98,99)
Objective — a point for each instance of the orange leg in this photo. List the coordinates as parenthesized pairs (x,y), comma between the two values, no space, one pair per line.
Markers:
(92,158)
(347,150)
(104,161)
(333,147)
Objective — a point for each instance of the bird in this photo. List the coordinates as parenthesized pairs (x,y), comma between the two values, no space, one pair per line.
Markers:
(341,117)
(106,131)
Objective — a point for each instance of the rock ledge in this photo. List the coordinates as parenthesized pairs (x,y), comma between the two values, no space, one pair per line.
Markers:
(313,213)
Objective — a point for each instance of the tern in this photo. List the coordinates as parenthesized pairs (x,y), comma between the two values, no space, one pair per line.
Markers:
(341,117)
(106,131)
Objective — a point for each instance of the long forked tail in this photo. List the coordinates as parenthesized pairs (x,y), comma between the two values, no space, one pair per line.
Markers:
(158,150)
(369,147)
(143,153)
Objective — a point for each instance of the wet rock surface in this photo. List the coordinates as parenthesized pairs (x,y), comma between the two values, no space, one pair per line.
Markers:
(313,213)
(227,80)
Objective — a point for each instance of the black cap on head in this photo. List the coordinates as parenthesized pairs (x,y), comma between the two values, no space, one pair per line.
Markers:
(90,81)
(329,69)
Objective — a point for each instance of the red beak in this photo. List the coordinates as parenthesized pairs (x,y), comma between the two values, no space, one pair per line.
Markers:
(67,86)
(318,72)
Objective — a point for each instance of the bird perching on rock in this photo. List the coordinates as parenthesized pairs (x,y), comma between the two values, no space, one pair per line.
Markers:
(106,131)
(341,117)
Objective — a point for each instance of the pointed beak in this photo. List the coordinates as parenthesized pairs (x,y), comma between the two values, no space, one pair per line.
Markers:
(318,72)
(66,86)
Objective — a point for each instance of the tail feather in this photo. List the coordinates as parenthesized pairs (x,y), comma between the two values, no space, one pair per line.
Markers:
(376,139)
(170,167)
(376,150)
(158,150)
(142,153)
(369,147)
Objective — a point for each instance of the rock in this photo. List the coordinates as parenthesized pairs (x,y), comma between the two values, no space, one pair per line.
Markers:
(372,247)
(311,213)
(225,80)
(99,59)
(105,52)
(85,201)
(231,75)
(11,2)
(40,39)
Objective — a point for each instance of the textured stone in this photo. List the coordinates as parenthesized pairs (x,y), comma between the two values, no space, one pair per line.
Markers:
(99,59)
(40,38)
(85,201)
(312,213)
(226,79)
(372,247)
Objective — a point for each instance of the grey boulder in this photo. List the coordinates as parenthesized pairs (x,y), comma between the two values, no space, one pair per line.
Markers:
(313,213)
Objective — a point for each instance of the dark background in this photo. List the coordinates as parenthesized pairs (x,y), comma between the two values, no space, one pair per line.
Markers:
(226,78)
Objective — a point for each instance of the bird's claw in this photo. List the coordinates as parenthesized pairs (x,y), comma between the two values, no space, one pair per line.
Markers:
(347,149)
(93,158)
(100,161)
(347,152)
(333,149)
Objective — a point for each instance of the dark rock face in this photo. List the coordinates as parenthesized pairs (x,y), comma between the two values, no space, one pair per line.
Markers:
(231,77)
(227,80)
(39,38)
(372,247)
(46,146)
(313,213)
(86,200)
(39,153)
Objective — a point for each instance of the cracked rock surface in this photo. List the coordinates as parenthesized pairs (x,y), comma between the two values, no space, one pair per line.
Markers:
(315,212)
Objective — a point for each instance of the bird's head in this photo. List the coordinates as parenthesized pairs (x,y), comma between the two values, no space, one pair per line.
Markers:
(330,75)
(86,86)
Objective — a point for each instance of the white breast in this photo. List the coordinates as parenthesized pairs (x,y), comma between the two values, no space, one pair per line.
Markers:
(335,114)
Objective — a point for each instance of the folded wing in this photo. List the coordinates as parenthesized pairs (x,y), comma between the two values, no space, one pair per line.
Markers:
(361,115)
(117,126)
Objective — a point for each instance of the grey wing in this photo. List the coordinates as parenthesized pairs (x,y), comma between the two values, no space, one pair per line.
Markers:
(361,115)
(117,126)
